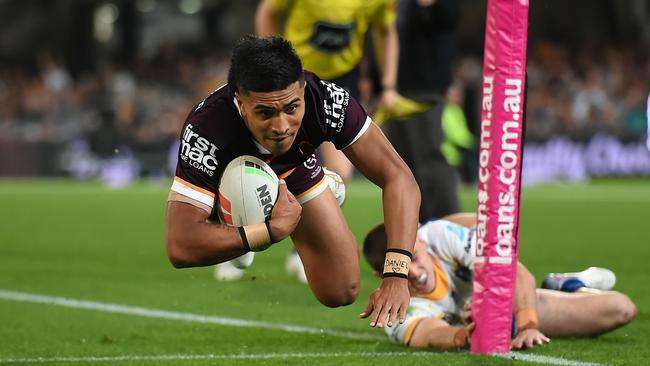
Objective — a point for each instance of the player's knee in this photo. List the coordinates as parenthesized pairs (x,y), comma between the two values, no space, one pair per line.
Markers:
(345,295)
(625,309)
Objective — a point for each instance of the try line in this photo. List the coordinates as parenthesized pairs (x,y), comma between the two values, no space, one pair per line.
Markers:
(234,322)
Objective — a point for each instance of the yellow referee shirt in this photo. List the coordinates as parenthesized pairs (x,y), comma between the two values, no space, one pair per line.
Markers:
(328,35)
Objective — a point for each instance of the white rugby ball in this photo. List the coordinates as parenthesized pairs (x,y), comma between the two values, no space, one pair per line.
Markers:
(248,190)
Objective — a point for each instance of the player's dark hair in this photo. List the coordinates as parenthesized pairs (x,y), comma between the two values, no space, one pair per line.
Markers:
(263,64)
(374,247)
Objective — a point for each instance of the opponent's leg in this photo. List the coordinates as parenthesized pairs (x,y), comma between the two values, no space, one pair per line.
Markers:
(328,251)
(582,313)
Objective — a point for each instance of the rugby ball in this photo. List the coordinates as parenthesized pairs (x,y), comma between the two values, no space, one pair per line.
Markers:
(248,190)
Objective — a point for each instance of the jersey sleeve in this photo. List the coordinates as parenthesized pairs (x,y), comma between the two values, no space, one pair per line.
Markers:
(386,14)
(282,6)
(197,170)
(449,241)
(345,119)
(418,310)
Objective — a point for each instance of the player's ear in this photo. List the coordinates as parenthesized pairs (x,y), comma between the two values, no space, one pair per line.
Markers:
(240,104)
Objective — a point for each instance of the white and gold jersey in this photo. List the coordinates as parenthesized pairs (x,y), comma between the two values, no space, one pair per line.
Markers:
(452,249)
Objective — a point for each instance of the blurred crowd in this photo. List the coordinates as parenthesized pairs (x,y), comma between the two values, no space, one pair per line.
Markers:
(135,110)
(138,109)
(580,92)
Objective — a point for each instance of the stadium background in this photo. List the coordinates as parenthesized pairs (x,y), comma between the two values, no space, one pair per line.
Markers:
(92,94)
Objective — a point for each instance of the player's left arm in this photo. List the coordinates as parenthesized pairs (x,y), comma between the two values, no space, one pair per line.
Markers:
(375,157)
(525,310)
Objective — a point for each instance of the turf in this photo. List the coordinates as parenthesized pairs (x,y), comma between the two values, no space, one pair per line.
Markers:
(87,242)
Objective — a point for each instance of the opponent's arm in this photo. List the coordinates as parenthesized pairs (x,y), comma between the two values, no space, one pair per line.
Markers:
(267,19)
(374,156)
(191,241)
(437,333)
(525,310)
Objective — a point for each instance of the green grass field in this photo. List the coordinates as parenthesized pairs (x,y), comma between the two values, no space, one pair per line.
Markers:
(80,241)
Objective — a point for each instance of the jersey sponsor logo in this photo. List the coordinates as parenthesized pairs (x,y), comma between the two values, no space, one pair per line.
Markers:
(335,103)
(198,152)
(331,38)
(264,197)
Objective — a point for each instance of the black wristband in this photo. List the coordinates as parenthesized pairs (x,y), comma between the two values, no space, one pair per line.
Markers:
(244,239)
(268,228)
(400,251)
(395,274)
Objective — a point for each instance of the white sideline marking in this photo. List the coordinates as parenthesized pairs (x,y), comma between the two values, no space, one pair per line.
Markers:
(88,359)
(173,315)
(545,359)
(208,319)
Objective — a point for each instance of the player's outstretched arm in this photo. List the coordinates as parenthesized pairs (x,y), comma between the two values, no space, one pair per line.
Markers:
(375,157)
(525,309)
(437,333)
(192,241)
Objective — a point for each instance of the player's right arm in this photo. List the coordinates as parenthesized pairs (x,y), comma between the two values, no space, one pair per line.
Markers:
(192,241)
(437,333)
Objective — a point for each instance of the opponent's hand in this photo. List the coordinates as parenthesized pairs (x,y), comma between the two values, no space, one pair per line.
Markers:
(463,336)
(529,338)
(388,301)
(286,213)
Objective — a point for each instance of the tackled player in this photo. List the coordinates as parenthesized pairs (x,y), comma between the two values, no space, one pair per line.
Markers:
(440,282)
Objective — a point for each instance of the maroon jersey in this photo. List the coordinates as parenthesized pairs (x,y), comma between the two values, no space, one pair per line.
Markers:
(214,133)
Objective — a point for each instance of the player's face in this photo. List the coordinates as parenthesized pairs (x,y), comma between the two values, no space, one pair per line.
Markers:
(274,118)
(422,279)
